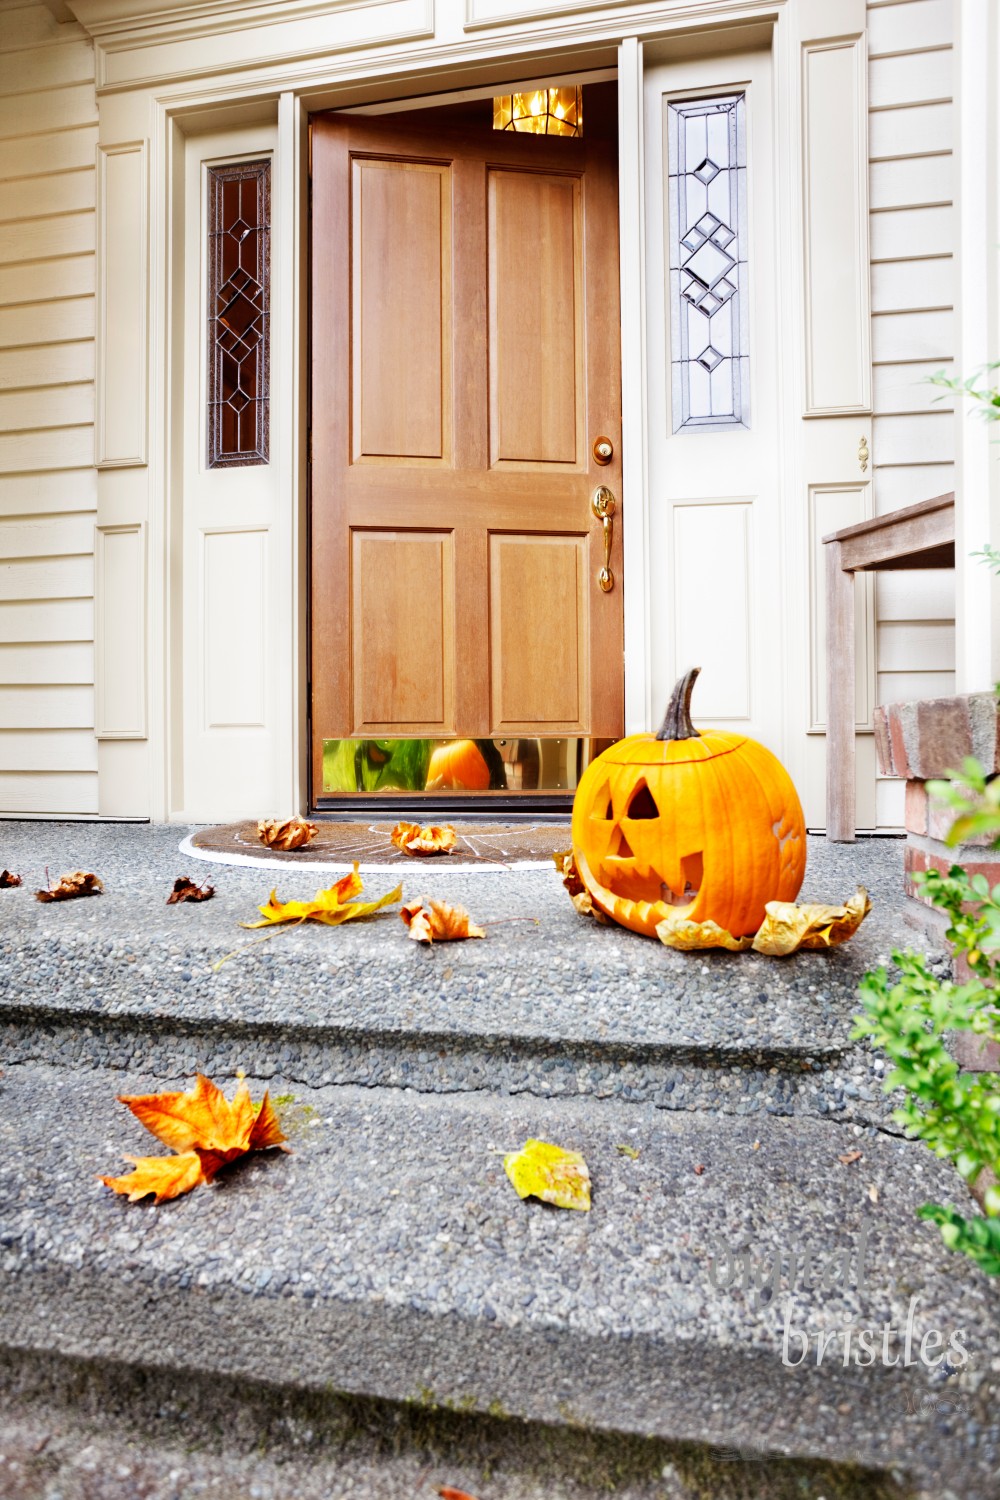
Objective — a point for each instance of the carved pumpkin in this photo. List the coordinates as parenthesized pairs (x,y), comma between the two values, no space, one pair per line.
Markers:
(705,826)
(458,766)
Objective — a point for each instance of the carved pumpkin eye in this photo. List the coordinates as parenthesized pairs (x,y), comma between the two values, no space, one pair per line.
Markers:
(642,804)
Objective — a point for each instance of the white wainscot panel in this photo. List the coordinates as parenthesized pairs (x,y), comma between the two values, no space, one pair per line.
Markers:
(120,620)
(712,602)
(832,507)
(234,638)
(838,360)
(121,300)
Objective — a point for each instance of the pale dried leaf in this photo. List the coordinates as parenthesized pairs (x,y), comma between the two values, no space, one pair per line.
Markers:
(287,834)
(787,928)
(541,1170)
(437,838)
(690,937)
(438,922)
(75,883)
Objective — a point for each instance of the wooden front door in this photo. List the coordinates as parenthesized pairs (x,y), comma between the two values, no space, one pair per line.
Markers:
(465,359)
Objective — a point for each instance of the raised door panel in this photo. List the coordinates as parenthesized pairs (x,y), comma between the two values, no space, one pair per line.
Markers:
(537,384)
(401,311)
(403,632)
(538,634)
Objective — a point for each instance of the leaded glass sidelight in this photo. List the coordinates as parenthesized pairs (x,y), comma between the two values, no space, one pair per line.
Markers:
(710,354)
(239,315)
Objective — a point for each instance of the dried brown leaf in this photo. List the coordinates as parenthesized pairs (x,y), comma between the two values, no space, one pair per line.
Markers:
(787,928)
(8,880)
(436,838)
(579,895)
(186,890)
(75,883)
(440,923)
(849,1157)
(292,833)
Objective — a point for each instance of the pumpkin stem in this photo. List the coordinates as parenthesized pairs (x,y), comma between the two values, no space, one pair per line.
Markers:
(677,719)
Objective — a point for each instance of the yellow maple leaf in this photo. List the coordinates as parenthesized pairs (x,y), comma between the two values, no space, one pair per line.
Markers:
(166,1176)
(440,924)
(330,907)
(689,937)
(436,838)
(540,1170)
(788,928)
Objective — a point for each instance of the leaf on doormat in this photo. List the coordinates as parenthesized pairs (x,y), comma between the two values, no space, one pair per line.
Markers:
(330,907)
(788,927)
(292,833)
(8,880)
(186,890)
(437,838)
(439,922)
(579,895)
(75,883)
(540,1170)
(689,937)
(206,1131)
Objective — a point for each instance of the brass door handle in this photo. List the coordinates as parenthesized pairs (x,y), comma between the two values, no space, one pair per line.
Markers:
(603,505)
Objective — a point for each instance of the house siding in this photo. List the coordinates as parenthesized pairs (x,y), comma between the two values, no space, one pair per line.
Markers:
(913,333)
(48,486)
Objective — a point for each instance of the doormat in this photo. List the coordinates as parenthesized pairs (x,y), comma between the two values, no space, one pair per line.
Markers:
(480,846)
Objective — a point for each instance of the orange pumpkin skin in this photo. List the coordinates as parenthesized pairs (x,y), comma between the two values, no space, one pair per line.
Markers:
(458,766)
(726,836)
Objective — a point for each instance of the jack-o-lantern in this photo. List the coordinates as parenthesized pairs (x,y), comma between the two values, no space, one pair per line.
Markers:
(680,824)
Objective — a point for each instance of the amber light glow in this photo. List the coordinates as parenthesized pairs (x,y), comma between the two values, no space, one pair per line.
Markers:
(541,111)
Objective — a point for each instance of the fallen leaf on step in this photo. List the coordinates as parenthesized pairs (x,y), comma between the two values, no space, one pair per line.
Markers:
(849,1157)
(541,1170)
(76,883)
(438,922)
(447,1493)
(206,1131)
(330,907)
(698,1169)
(578,893)
(632,1152)
(186,890)
(437,838)
(8,880)
(689,937)
(788,928)
(873,1193)
(292,833)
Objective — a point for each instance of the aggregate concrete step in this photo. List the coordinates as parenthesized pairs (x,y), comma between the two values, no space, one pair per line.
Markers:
(549,1003)
(389,1257)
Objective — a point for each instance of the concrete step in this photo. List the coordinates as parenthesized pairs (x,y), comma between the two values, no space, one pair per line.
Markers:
(550,1003)
(389,1257)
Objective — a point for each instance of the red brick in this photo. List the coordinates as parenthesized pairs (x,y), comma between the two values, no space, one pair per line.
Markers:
(883,744)
(916,808)
(896,740)
(974,1054)
(944,736)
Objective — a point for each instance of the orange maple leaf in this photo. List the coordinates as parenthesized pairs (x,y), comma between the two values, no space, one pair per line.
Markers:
(441,924)
(203,1128)
(434,839)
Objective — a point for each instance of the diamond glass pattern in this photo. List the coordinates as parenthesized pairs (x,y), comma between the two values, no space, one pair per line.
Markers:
(710,365)
(239,225)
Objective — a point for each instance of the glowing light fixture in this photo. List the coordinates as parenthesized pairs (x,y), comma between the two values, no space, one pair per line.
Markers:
(541,112)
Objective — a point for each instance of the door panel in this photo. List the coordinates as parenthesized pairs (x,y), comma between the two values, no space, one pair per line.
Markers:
(538,634)
(536,404)
(402,301)
(465,356)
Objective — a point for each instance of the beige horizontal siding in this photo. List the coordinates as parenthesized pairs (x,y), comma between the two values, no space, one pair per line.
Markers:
(48,138)
(913,334)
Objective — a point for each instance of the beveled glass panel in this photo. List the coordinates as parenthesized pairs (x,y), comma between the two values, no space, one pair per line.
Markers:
(239,316)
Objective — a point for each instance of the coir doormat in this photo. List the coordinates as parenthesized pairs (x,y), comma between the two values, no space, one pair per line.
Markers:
(339,845)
